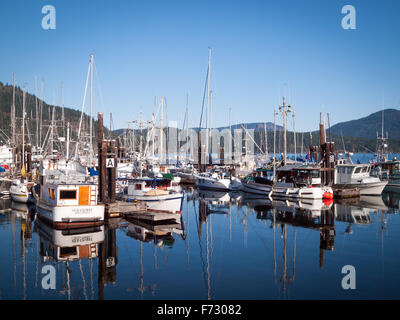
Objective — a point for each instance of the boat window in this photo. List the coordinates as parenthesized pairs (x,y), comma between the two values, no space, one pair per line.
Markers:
(51,193)
(365,169)
(314,174)
(67,251)
(358,170)
(138,186)
(67,194)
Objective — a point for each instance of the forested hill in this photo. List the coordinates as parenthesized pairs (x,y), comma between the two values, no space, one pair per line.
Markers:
(367,127)
(6,92)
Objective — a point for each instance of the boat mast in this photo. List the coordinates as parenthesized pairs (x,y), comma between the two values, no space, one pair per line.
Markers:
(208,106)
(161,129)
(23,128)
(67,146)
(37,114)
(266,138)
(62,109)
(294,136)
(13,140)
(91,110)
(41,112)
(275,113)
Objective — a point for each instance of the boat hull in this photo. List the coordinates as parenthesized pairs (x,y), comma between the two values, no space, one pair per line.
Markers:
(160,203)
(300,193)
(367,189)
(257,188)
(65,217)
(221,185)
(20,197)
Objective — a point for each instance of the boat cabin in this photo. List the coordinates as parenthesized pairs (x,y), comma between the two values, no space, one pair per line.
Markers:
(351,173)
(300,175)
(69,194)
(144,185)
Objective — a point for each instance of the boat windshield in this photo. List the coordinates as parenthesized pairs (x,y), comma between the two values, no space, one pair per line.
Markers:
(308,174)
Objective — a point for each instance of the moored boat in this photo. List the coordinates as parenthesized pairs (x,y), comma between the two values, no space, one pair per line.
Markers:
(66,196)
(300,182)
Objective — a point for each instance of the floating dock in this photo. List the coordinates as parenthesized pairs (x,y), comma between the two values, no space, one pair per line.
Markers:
(342,193)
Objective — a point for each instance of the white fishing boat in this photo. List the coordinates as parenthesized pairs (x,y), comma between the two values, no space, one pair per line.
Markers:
(260,183)
(20,191)
(67,196)
(217,181)
(389,170)
(158,194)
(349,175)
(300,182)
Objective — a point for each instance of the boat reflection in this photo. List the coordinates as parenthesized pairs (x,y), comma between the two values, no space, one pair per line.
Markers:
(69,244)
(68,248)
(160,233)
(392,201)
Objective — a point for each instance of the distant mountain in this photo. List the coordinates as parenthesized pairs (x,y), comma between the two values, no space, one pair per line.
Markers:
(257,126)
(367,127)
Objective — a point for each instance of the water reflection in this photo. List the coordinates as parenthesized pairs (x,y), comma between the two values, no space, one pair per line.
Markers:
(225,245)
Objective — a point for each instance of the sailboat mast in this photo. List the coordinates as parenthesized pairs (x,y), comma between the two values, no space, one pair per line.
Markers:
(62,108)
(161,129)
(41,112)
(91,108)
(294,136)
(275,113)
(67,147)
(266,138)
(284,131)
(23,127)
(37,113)
(208,105)
(13,142)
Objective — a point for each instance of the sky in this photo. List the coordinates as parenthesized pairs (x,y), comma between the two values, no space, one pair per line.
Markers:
(261,51)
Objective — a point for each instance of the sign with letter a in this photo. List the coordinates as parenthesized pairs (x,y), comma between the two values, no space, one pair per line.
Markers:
(110,163)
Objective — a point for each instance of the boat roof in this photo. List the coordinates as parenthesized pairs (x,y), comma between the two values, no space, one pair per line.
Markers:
(291,167)
(353,165)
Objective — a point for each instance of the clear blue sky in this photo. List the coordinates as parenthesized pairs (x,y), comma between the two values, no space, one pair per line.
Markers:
(261,50)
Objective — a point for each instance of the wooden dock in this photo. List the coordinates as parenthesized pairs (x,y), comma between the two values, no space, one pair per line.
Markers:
(120,208)
(152,216)
(342,193)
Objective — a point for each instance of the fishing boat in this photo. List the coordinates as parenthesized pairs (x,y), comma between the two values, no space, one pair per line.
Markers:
(223,181)
(20,191)
(351,175)
(259,183)
(300,182)
(389,170)
(66,196)
(158,194)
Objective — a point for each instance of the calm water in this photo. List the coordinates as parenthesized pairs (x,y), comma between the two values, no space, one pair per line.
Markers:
(226,246)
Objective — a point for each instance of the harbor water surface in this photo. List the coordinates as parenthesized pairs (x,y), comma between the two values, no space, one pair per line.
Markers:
(226,246)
